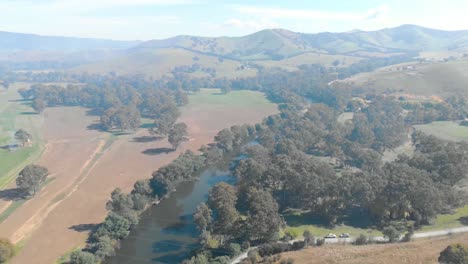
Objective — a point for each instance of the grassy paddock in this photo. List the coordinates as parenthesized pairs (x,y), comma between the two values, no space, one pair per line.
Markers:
(447,130)
(234,98)
(16,114)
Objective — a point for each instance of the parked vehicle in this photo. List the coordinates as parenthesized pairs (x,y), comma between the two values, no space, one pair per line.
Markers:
(344,235)
(330,235)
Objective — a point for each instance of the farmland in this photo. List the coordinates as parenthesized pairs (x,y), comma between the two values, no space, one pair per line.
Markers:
(83,161)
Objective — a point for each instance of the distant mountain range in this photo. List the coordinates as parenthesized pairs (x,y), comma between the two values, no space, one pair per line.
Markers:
(266,44)
(281,43)
(268,48)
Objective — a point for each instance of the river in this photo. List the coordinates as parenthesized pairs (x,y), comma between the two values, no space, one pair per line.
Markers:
(166,232)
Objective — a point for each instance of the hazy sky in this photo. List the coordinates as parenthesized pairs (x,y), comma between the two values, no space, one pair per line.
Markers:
(155,19)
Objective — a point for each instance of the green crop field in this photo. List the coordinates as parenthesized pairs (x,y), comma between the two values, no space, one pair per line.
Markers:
(16,114)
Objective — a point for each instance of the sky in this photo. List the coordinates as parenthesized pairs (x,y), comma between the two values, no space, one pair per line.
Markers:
(158,19)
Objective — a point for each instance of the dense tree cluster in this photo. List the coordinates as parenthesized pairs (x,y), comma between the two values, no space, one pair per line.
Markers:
(119,102)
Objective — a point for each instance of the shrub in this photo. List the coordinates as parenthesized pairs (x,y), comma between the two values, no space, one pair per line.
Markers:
(361,240)
(234,249)
(454,254)
(391,234)
(320,242)
(7,250)
(245,245)
(82,257)
(273,248)
(298,245)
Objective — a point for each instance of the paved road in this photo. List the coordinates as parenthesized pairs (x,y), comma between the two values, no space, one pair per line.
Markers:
(444,232)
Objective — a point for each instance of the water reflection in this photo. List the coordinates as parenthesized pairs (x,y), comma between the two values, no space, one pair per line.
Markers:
(166,233)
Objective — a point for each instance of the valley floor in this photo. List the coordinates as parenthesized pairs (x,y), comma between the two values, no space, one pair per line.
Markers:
(87,165)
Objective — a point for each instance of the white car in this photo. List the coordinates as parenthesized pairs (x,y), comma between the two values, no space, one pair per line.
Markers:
(330,236)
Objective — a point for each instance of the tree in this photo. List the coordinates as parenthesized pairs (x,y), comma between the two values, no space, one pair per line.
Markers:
(225,139)
(309,239)
(38,105)
(391,234)
(263,220)
(7,250)
(121,117)
(82,257)
(222,200)
(454,254)
(31,178)
(23,136)
(202,216)
(177,134)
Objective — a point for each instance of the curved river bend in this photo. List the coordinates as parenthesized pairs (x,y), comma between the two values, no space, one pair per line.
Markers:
(166,232)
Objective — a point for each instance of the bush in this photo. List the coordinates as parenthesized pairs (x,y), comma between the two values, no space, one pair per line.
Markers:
(253,256)
(273,248)
(7,250)
(245,245)
(82,257)
(320,242)
(391,234)
(298,245)
(454,254)
(361,240)
(234,249)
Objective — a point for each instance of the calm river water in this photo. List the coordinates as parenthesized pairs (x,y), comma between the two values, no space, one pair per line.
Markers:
(166,232)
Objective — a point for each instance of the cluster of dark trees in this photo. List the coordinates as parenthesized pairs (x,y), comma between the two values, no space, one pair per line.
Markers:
(119,104)
(7,250)
(452,108)
(194,68)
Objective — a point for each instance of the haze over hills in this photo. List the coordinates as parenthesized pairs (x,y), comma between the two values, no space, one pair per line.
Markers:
(14,42)
(268,47)
(281,43)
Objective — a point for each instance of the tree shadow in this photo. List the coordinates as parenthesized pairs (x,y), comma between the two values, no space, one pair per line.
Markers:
(96,126)
(14,194)
(83,227)
(296,220)
(93,112)
(149,125)
(157,151)
(10,146)
(146,139)
(463,220)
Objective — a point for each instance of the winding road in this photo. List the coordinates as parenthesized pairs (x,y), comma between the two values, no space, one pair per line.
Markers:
(445,232)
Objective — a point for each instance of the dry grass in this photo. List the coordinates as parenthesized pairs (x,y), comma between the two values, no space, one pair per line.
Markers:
(441,79)
(422,251)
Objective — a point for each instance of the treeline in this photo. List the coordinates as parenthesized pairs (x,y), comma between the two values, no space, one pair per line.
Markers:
(452,108)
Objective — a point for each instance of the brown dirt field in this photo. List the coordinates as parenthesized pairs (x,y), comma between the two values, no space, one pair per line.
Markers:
(58,219)
(423,251)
